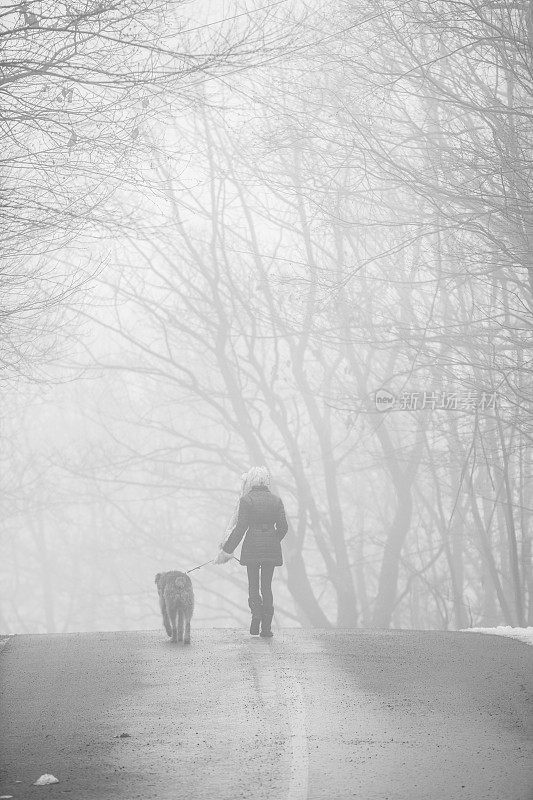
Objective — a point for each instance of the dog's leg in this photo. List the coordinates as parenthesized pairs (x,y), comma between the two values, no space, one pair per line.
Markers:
(187,639)
(180,625)
(172,609)
(166,621)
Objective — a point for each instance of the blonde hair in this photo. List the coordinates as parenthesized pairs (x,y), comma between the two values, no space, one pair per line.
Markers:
(258,476)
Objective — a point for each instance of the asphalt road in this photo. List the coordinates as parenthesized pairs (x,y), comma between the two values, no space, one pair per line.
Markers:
(368,715)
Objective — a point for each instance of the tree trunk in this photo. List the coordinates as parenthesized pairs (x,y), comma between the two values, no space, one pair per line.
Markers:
(390,565)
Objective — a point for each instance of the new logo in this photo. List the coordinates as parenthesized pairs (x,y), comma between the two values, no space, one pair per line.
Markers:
(384,400)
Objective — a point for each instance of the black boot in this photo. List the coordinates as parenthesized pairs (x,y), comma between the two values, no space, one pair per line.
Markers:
(266,622)
(257,609)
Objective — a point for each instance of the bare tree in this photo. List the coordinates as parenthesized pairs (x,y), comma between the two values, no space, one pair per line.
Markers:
(83,86)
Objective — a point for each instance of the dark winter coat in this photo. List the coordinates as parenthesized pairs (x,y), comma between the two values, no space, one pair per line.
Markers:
(262,518)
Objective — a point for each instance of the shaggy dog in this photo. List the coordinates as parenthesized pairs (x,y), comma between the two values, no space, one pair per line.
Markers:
(176,598)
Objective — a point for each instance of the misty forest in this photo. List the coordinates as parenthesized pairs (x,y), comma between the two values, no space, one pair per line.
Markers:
(294,234)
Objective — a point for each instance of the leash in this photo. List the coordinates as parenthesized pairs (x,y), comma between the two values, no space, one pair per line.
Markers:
(199,566)
(211,561)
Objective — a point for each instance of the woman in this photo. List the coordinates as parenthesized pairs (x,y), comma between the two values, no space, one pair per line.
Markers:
(261,516)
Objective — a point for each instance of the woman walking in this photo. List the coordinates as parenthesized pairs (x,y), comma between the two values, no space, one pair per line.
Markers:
(261,520)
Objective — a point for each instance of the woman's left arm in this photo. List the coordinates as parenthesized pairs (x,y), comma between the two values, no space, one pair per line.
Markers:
(240,528)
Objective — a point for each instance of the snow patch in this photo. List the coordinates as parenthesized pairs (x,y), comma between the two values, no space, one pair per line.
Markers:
(523,634)
(45,779)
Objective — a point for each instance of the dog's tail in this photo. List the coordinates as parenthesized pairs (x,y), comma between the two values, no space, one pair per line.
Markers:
(183,580)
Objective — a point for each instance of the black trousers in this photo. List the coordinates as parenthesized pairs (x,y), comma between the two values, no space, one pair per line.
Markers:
(260,599)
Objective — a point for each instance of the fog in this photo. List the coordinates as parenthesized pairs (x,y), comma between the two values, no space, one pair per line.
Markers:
(290,234)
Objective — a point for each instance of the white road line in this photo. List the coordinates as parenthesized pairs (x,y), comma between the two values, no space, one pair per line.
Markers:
(289,687)
(298,785)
